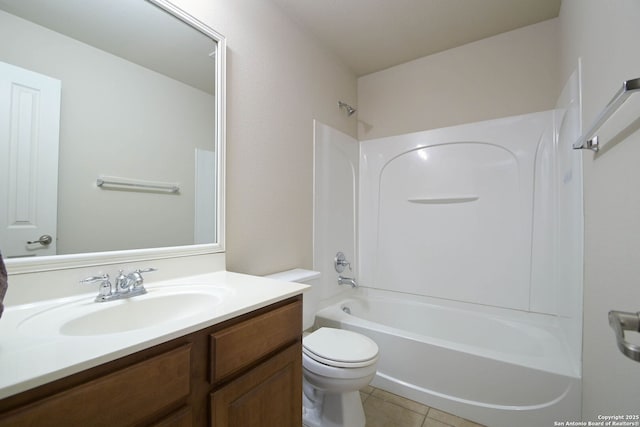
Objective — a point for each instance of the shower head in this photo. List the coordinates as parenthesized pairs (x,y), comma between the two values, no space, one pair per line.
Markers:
(348,108)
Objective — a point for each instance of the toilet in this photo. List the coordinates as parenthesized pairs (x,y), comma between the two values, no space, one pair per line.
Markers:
(336,364)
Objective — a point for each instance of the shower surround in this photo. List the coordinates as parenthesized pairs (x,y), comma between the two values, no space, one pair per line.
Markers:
(468,241)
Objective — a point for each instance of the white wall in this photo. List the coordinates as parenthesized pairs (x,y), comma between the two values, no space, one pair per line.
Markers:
(98,90)
(278,80)
(505,75)
(603,34)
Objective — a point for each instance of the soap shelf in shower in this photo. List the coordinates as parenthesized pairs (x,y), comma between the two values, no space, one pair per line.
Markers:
(440,200)
(589,140)
(114,182)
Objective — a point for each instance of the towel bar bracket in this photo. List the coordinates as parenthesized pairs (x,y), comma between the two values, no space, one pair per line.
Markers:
(589,140)
(592,144)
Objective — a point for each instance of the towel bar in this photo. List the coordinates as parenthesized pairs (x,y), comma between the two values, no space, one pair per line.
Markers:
(589,140)
(134,184)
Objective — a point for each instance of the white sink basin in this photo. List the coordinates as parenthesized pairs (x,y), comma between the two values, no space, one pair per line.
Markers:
(158,306)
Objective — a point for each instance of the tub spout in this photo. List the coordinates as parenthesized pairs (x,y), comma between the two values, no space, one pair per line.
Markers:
(347,281)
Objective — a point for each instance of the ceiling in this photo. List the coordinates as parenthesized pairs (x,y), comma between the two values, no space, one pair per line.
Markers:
(371,35)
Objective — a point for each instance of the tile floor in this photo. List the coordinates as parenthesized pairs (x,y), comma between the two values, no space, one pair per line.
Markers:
(383,409)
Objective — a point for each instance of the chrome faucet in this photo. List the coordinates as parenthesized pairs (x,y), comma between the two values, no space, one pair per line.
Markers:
(340,263)
(347,281)
(104,293)
(126,285)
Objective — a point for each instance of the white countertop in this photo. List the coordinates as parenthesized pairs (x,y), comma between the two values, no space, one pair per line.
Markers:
(29,358)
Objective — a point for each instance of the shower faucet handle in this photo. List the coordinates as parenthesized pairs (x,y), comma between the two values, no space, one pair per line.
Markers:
(340,262)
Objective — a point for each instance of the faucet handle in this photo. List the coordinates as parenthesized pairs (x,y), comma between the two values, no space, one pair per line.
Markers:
(105,285)
(146,270)
(137,278)
(96,279)
(340,262)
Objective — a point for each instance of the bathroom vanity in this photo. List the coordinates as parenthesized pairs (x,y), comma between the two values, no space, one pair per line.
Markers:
(241,367)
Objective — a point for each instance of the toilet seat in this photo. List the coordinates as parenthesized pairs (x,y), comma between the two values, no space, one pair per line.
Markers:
(321,372)
(340,348)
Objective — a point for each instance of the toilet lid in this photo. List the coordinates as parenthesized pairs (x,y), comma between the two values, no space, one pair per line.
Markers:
(338,347)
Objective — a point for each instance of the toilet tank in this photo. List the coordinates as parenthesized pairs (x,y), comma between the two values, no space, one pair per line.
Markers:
(311,298)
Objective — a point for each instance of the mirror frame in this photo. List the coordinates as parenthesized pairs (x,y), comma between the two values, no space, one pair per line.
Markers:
(60,262)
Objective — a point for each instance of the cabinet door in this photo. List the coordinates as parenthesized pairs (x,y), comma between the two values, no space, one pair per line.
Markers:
(180,418)
(269,395)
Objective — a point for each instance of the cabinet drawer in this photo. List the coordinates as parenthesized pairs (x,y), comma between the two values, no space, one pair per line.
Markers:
(238,346)
(125,397)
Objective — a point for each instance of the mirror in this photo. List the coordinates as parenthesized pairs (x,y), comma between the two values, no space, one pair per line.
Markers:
(111,131)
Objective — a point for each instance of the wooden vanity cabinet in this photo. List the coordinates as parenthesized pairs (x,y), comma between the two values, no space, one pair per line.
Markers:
(245,372)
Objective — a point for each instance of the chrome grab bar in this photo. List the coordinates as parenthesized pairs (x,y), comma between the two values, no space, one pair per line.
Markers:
(622,321)
(588,139)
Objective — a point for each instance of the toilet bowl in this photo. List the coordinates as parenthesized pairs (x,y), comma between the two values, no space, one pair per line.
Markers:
(336,364)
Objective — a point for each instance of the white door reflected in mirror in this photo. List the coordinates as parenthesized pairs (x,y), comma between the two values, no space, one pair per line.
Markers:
(29,136)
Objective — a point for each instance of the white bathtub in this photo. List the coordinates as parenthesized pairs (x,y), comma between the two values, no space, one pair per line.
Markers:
(493,366)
